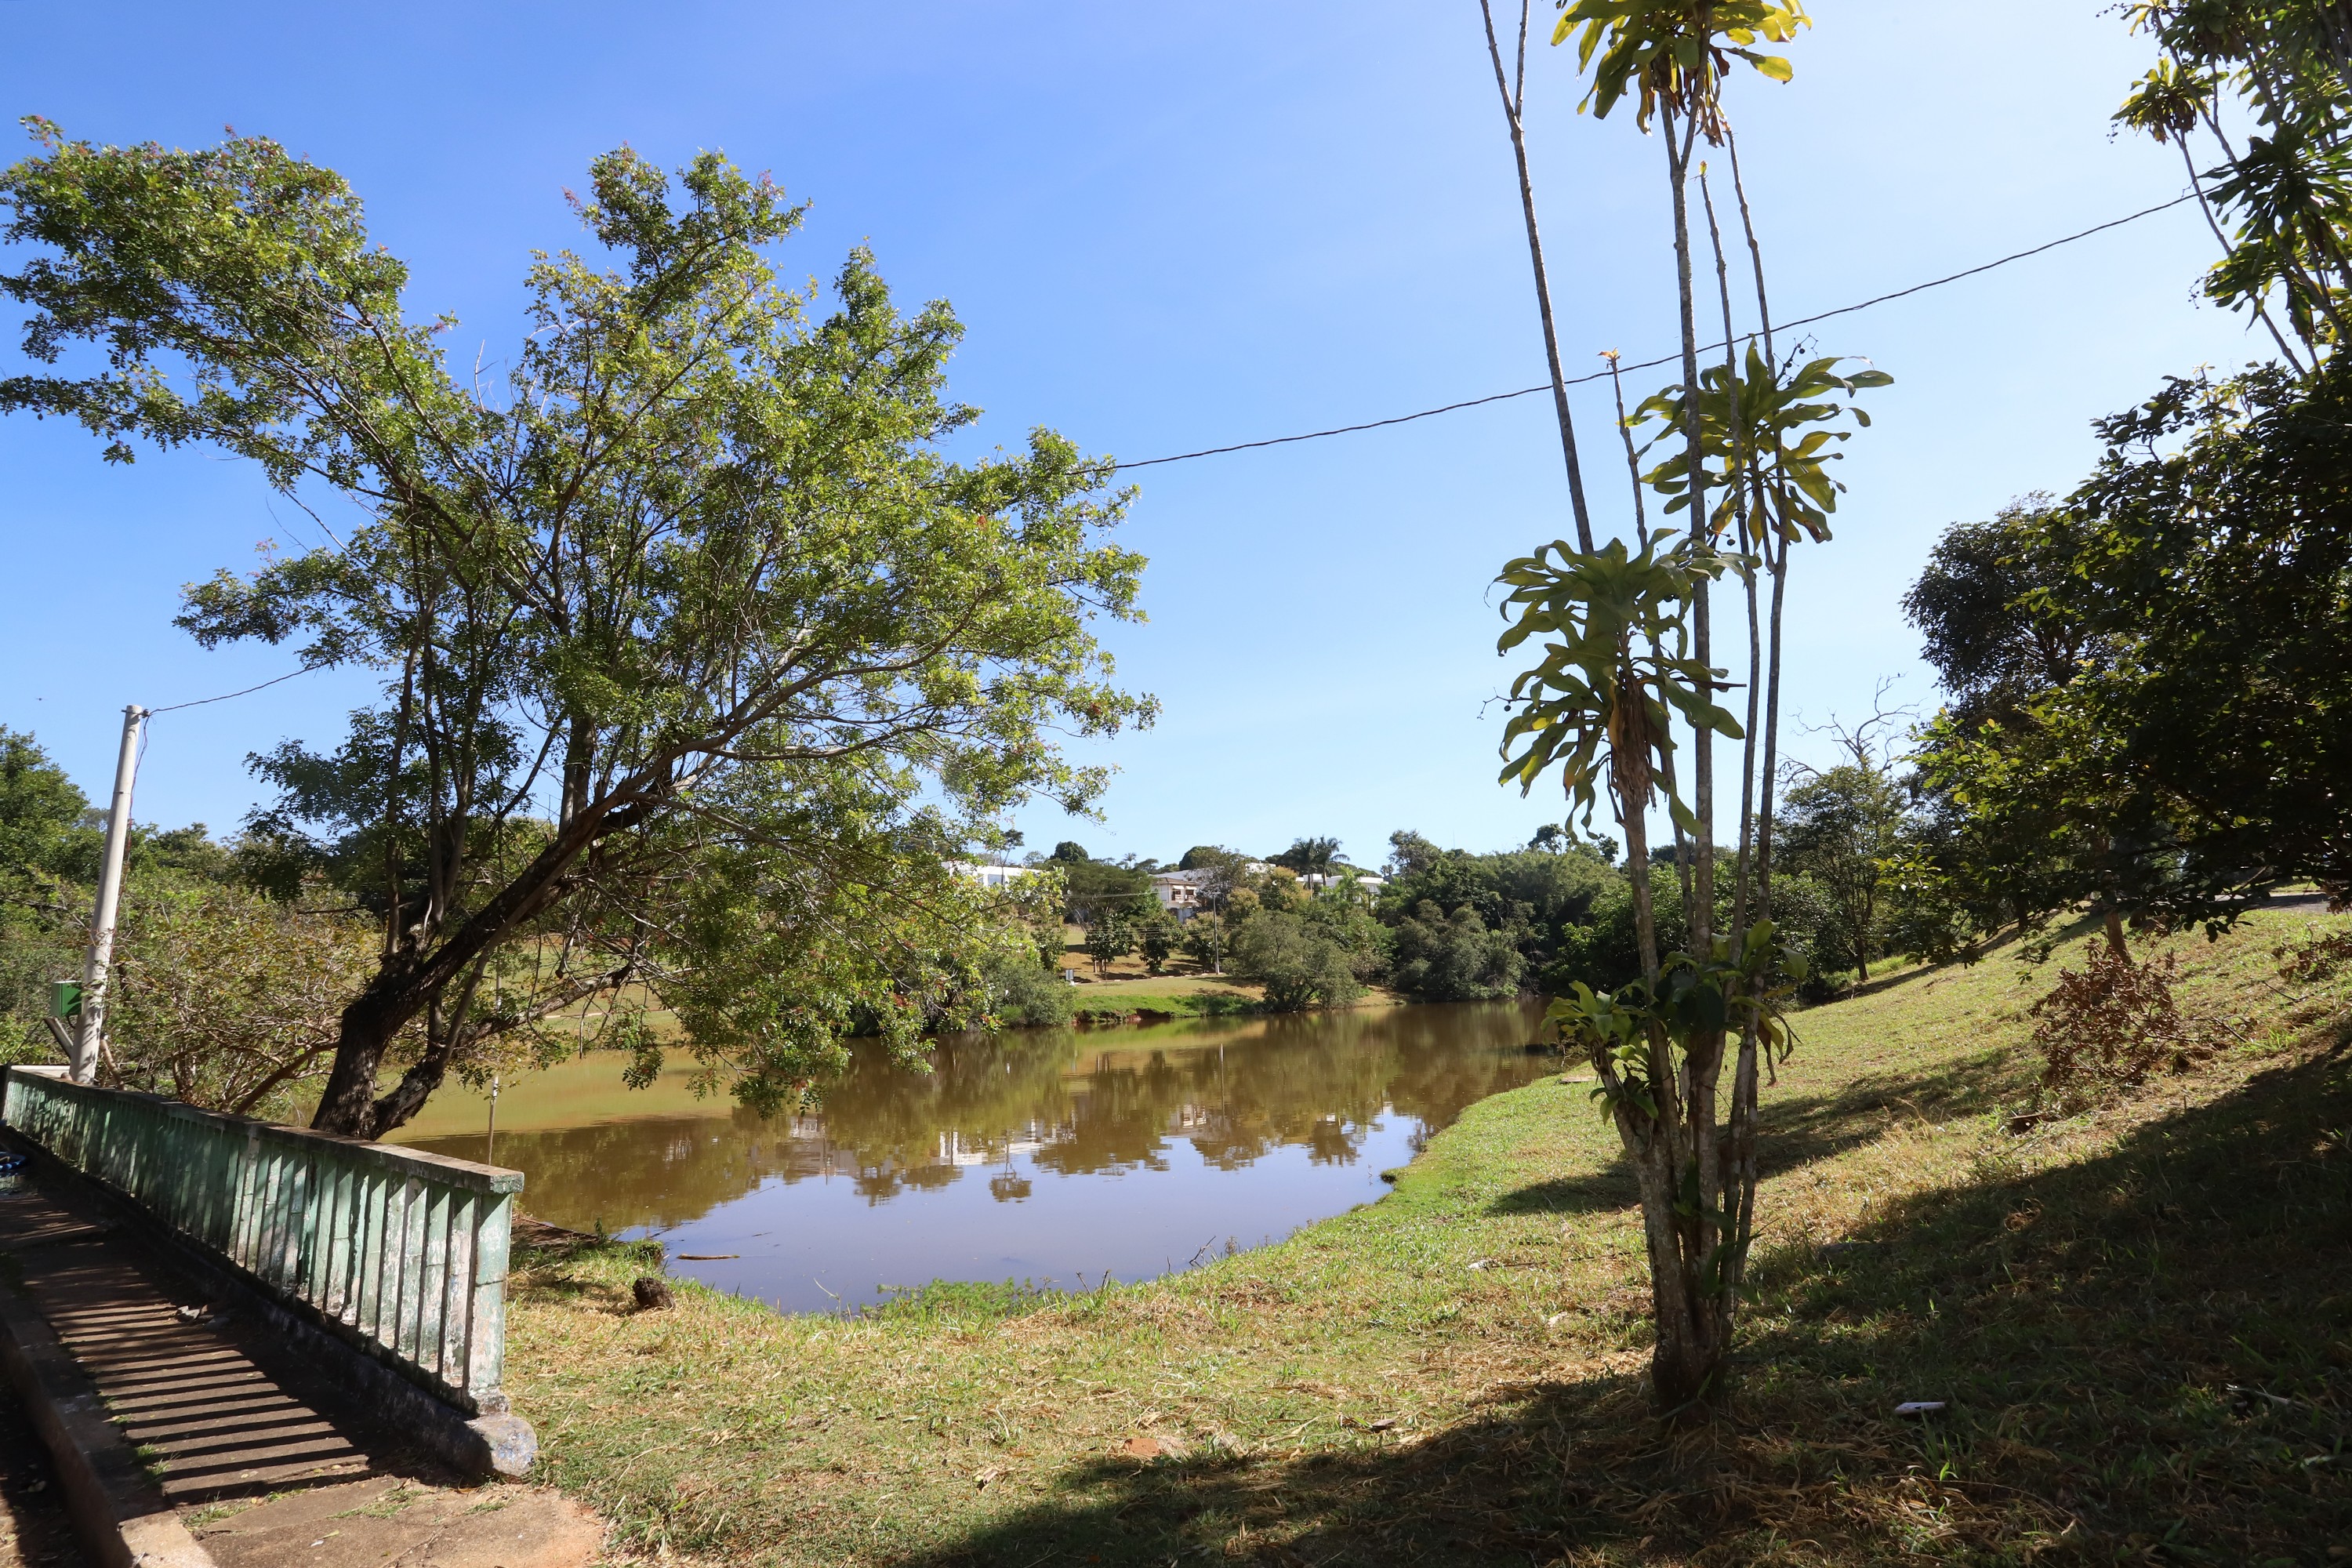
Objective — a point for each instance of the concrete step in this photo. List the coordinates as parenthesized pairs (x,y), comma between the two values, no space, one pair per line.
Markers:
(186,1438)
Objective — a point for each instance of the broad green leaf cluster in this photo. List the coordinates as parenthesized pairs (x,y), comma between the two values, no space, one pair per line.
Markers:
(2266,85)
(1766,445)
(1614,670)
(1673,53)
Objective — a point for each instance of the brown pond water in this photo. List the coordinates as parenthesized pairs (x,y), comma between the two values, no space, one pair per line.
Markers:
(1051,1156)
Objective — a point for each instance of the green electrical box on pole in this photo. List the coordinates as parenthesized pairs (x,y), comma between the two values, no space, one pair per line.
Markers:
(65,999)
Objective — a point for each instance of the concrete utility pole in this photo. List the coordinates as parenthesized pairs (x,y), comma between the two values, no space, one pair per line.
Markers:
(109,899)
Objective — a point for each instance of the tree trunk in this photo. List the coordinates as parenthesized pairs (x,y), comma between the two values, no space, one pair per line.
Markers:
(1702,900)
(409,983)
(1777,563)
(1736,486)
(2113,923)
(1514,101)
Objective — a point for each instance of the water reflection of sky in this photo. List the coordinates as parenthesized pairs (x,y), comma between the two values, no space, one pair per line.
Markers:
(1041,1156)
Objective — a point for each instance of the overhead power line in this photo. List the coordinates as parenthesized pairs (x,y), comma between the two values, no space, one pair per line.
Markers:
(203,702)
(1492,397)
(1662,360)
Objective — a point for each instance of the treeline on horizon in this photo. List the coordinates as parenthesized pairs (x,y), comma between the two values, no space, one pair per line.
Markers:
(1460,925)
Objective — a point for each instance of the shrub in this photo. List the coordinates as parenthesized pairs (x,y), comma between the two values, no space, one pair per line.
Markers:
(1158,936)
(2112,1026)
(1454,958)
(228,999)
(1023,994)
(1299,963)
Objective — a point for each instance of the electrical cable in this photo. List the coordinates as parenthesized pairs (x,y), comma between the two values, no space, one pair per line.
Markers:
(1478,402)
(1654,363)
(225,696)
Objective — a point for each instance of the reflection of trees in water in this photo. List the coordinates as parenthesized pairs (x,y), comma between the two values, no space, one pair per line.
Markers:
(1074,1103)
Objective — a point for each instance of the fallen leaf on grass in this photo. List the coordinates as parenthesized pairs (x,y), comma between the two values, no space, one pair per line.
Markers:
(1152,1448)
(993,1473)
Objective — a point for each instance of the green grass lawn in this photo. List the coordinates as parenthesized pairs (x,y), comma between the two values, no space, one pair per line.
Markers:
(2141,1319)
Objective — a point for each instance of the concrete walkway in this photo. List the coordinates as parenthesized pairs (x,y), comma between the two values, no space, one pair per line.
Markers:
(261,1460)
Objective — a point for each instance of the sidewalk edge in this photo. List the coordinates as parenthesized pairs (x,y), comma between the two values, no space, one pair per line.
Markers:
(118,1513)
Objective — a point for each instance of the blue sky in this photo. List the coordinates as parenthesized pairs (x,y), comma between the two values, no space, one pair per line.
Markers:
(1167,228)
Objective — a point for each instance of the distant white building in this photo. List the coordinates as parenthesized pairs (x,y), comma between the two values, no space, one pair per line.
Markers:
(1180,892)
(990,875)
(1321,882)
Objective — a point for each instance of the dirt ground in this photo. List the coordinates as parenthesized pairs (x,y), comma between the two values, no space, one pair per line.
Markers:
(34,1530)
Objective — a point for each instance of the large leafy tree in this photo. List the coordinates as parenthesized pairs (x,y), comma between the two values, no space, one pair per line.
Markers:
(1842,826)
(699,656)
(46,843)
(1996,625)
(2219,567)
(2019,817)
(2150,678)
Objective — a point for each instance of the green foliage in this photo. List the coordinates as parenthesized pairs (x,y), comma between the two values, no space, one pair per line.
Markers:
(2284,185)
(2151,678)
(699,658)
(1309,857)
(1536,902)
(1110,936)
(1301,960)
(1602,950)
(227,998)
(1992,609)
(1454,958)
(1673,53)
(1843,828)
(1024,993)
(1612,671)
(46,831)
(1768,428)
(1206,941)
(1158,936)
(1095,888)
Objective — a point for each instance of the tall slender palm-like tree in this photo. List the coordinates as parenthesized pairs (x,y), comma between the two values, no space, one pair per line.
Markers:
(1627,644)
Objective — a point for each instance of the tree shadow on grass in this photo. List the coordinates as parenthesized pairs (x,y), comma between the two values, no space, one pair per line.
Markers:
(1603,1192)
(1499,1487)
(2143,1354)
(2153,1343)
(1797,1130)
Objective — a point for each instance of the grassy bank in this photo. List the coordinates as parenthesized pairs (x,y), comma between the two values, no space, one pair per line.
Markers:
(1187,996)
(2142,1319)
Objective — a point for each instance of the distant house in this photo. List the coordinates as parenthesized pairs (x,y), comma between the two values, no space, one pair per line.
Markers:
(990,875)
(1180,892)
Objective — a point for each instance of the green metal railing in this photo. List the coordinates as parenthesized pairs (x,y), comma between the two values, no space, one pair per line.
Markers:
(404,1251)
